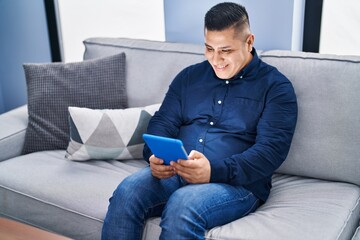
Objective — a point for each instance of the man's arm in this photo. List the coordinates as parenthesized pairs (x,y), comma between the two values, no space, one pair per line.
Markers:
(167,121)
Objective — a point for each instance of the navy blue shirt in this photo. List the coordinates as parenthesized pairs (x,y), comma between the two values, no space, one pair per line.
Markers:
(243,125)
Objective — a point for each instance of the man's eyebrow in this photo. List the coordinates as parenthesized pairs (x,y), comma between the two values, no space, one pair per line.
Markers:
(225,47)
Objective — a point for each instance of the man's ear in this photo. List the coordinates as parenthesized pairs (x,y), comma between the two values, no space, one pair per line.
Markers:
(250,42)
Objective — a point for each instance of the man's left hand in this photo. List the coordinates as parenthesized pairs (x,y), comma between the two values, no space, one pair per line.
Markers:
(196,169)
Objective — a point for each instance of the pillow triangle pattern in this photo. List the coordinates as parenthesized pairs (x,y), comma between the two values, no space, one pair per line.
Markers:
(108,133)
(125,122)
(105,134)
(136,150)
(74,131)
(124,154)
(85,120)
(103,153)
(140,128)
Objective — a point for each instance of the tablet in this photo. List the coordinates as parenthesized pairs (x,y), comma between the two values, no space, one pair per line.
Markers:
(168,149)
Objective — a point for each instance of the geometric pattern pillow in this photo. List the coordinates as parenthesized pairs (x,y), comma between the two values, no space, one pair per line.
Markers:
(108,133)
(53,87)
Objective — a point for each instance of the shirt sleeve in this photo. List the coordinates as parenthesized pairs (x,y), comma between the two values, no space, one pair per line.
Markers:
(275,130)
(167,121)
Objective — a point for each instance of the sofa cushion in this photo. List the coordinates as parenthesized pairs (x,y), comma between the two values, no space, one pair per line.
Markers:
(146,84)
(71,198)
(52,88)
(326,140)
(108,133)
(299,208)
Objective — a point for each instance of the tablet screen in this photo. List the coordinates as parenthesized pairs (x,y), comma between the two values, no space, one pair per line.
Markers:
(168,149)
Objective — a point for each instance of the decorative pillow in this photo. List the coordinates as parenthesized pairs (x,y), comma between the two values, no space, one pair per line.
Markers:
(108,134)
(52,88)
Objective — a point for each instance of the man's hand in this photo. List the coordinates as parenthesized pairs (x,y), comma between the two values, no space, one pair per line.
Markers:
(159,170)
(196,169)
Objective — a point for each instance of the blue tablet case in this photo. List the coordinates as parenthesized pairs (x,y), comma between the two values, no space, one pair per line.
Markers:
(168,149)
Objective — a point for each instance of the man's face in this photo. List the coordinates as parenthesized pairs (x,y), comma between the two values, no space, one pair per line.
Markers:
(228,52)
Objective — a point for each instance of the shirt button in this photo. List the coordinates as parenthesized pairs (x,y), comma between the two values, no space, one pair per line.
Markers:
(219,102)
(201,140)
(241,77)
(211,123)
(227,82)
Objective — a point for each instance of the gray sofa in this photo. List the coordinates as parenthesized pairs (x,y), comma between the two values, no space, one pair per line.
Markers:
(315,194)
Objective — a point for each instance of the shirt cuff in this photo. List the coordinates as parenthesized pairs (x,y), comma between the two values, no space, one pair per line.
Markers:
(147,153)
(219,171)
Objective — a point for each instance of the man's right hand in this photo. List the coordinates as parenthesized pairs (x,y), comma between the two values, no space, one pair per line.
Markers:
(159,170)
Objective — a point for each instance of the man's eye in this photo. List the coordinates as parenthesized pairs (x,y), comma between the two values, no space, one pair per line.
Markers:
(226,50)
(209,49)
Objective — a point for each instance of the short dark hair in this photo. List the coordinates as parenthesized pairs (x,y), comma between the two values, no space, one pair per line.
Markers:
(225,15)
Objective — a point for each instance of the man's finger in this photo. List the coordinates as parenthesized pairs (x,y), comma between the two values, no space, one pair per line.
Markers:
(155,160)
(195,154)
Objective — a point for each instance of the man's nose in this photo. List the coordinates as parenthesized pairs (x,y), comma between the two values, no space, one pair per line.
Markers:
(217,58)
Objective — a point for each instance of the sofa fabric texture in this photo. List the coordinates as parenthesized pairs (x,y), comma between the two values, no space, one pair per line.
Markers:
(53,87)
(68,197)
(150,65)
(315,193)
(307,208)
(13,126)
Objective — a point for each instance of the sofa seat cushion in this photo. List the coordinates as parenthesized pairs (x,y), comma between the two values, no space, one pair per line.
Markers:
(299,208)
(44,189)
(71,198)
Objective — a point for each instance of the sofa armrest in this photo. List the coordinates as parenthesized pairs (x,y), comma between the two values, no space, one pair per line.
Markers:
(12,132)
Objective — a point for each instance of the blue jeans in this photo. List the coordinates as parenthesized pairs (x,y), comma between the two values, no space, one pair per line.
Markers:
(186,210)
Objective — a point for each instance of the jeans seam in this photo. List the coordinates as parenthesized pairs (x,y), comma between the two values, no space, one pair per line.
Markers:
(252,207)
(239,199)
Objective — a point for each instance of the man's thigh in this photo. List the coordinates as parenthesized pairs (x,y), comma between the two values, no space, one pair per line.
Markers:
(143,191)
(212,204)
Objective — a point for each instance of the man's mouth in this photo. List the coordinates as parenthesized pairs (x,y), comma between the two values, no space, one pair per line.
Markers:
(220,67)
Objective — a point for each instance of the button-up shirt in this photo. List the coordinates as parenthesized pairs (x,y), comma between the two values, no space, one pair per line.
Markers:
(243,125)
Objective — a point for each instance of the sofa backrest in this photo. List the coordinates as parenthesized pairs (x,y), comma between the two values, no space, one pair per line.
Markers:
(326,143)
(150,65)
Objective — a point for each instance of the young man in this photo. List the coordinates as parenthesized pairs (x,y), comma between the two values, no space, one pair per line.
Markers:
(236,115)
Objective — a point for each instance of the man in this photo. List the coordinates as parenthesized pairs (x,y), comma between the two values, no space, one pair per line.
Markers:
(237,115)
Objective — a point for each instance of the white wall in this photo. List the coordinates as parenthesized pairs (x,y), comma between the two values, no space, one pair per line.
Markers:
(276,24)
(340,27)
(145,19)
(81,19)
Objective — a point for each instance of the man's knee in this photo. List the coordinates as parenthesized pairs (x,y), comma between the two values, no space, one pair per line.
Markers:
(182,203)
(182,216)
